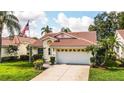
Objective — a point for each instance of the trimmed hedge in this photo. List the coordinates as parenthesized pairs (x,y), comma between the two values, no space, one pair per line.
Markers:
(9,58)
(37,56)
(24,57)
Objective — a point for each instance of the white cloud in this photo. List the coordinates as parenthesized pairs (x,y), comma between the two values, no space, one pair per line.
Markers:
(37,18)
(75,24)
(30,15)
(55,29)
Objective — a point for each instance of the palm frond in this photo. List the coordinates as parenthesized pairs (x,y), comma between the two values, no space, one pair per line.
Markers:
(11,16)
(3,13)
(12,23)
(10,30)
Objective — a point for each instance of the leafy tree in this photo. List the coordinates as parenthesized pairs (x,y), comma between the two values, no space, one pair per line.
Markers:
(46,30)
(65,29)
(104,53)
(121,20)
(92,28)
(105,24)
(11,22)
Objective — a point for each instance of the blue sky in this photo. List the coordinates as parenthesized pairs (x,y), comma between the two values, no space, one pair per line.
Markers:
(75,20)
(76,14)
(52,14)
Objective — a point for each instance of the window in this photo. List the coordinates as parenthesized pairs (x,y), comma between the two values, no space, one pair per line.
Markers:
(70,50)
(78,50)
(66,50)
(49,42)
(74,50)
(49,51)
(40,50)
(58,50)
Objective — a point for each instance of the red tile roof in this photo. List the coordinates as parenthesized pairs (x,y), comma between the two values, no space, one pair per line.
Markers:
(91,36)
(81,39)
(18,40)
(7,42)
(71,42)
(121,32)
(38,43)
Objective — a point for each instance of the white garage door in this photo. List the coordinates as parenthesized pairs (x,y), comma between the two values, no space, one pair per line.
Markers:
(73,57)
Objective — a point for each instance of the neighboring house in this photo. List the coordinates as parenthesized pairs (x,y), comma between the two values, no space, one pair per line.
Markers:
(68,47)
(22,43)
(120,38)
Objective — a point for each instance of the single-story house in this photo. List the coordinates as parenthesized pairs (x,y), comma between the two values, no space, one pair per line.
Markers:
(68,48)
(22,44)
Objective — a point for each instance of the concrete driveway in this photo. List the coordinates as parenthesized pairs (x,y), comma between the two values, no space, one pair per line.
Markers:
(63,72)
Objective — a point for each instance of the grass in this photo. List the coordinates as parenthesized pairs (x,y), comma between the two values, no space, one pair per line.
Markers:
(17,71)
(102,74)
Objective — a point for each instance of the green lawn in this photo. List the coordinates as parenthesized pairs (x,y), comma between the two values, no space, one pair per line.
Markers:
(101,74)
(17,71)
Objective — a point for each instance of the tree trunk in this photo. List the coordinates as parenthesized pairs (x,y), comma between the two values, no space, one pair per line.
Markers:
(0,43)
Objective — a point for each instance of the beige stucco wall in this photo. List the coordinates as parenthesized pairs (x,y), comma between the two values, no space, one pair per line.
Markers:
(4,52)
(22,50)
(45,49)
(34,51)
(121,50)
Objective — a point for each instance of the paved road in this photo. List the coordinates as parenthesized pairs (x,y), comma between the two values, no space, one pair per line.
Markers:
(64,72)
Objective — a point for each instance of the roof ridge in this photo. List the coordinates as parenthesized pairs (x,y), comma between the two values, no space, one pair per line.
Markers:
(17,38)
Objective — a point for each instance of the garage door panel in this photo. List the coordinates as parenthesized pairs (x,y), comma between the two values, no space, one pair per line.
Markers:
(73,57)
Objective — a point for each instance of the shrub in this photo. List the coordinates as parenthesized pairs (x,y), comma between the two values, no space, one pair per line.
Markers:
(93,61)
(37,56)
(52,60)
(115,63)
(122,62)
(9,58)
(38,64)
(24,57)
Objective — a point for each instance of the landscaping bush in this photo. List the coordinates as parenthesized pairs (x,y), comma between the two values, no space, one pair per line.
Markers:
(9,58)
(38,64)
(52,60)
(112,64)
(24,57)
(93,61)
(37,56)
(121,62)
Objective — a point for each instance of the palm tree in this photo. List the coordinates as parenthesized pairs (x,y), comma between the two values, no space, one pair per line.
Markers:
(104,52)
(65,29)
(11,22)
(46,30)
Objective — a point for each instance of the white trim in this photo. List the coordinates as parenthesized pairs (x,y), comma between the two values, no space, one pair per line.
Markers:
(68,46)
(48,37)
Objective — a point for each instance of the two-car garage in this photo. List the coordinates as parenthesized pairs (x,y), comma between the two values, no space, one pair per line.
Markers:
(77,57)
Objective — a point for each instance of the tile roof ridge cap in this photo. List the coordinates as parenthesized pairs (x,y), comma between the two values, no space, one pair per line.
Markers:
(16,37)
